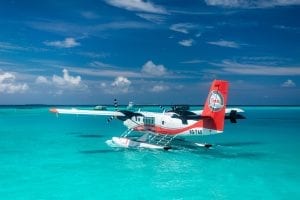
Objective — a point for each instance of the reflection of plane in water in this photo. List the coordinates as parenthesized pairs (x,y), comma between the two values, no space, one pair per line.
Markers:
(159,129)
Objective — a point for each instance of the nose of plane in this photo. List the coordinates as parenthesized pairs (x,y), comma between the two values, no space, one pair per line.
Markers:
(129,123)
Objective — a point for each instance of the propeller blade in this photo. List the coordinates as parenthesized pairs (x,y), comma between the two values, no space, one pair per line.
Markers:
(116,105)
(110,119)
(232,116)
(162,108)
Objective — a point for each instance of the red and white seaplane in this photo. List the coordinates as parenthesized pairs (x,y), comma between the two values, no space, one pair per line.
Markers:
(159,129)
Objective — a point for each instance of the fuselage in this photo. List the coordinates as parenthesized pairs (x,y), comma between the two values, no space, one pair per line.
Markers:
(168,123)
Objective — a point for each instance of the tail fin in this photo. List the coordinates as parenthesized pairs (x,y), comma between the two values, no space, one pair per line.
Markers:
(214,109)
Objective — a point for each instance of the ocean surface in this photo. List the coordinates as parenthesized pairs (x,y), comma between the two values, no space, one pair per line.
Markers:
(44,156)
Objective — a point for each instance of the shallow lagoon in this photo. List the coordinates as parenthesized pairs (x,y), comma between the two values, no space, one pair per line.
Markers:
(47,157)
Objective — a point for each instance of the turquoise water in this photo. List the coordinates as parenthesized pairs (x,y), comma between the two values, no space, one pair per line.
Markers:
(47,157)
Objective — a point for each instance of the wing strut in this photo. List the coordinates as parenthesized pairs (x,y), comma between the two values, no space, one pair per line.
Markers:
(127,132)
(161,140)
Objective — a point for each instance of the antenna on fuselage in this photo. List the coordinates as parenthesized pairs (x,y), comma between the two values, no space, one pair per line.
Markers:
(162,108)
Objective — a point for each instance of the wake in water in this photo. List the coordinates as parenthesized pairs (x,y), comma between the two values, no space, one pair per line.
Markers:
(227,150)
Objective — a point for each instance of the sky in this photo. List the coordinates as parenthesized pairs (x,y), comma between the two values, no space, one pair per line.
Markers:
(149,51)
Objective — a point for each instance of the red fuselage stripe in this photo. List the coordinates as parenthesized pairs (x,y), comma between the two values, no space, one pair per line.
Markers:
(162,130)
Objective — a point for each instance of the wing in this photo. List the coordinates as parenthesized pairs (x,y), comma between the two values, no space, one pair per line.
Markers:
(75,111)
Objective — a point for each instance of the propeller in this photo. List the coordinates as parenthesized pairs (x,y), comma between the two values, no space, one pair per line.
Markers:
(162,108)
(233,116)
(110,119)
(127,113)
(116,106)
(183,112)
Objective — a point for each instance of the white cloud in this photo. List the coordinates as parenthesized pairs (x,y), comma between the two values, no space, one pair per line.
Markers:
(67,43)
(8,84)
(157,19)
(137,5)
(228,3)
(251,4)
(254,69)
(4,46)
(99,64)
(224,43)
(93,54)
(121,84)
(67,81)
(108,72)
(41,80)
(183,27)
(63,28)
(89,15)
(121,25)
(287,28)
(154,70)
(160,88)
(288,84)
(148,70)
(195,61)
(198,35)
(186,43)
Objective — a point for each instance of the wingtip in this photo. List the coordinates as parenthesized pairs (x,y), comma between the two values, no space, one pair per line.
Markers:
(53,110)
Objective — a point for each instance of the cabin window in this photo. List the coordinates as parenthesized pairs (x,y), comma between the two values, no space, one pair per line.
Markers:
(163,122)
(149,120)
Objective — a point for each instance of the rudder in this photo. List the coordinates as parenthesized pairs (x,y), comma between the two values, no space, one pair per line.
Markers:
(214,109)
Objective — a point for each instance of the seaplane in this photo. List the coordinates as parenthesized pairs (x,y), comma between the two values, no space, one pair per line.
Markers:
(159,130)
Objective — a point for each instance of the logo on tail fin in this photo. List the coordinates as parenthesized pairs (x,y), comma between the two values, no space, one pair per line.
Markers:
(216,101)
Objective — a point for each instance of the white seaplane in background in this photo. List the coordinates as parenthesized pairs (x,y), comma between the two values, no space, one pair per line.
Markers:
(159,129)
